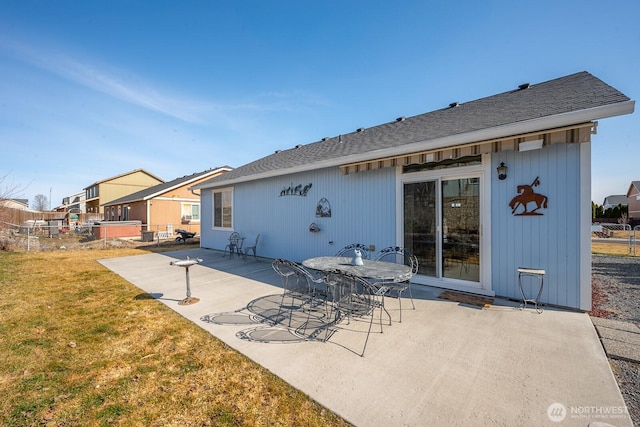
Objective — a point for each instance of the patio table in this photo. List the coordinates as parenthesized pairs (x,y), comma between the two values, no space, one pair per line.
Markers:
(235,246)
(356,296)
(377,270)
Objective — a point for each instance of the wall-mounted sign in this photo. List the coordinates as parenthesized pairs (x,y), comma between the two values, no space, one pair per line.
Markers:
(525,196)
(323,210)
(298,190)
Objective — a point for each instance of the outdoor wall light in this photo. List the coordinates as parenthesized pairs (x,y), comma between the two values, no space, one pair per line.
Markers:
(314,228)
(502,171)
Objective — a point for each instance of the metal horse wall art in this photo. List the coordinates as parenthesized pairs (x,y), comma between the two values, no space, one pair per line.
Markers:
(525,196)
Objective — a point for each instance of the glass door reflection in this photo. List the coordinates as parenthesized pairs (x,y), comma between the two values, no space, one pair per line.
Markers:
(461,229)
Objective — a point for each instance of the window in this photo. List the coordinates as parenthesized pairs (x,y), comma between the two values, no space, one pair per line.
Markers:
(190,212)
(222,208)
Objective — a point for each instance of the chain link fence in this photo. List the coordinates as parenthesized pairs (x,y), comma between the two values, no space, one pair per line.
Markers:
(622,233)
(38,235)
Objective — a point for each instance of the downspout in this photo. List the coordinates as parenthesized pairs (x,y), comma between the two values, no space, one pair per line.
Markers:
(149,204)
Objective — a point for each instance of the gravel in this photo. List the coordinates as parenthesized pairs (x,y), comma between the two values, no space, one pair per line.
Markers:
(616,295)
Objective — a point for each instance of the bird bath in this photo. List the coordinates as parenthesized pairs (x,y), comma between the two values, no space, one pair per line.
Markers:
(186,263)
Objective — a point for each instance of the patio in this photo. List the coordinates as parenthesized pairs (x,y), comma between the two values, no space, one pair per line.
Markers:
(446,363)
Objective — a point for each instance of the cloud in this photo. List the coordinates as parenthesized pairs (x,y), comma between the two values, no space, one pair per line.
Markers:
(127,87)
(112,82)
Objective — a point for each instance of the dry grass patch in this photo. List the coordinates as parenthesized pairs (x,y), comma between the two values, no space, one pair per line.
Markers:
(81,346)
(617,249)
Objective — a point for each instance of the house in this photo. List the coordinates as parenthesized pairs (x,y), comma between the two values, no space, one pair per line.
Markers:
(20,204)
(475,190)
(106,190)
(633,201)
(613,201)
(163,207)
(75,203)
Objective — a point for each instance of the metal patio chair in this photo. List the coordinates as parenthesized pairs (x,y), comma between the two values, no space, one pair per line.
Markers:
(353,297)
(252,248)
(300,289)
(397,255)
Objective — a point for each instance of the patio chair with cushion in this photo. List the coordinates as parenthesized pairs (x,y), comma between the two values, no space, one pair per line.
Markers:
(397,255)
(252,248)
(349,250)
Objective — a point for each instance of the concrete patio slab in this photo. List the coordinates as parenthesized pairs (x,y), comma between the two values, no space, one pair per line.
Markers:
(445,364)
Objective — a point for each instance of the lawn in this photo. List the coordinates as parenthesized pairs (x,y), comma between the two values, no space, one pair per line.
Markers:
(617,249)
(82,346)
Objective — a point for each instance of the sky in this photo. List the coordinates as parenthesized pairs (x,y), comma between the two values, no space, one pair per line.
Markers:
(93,89)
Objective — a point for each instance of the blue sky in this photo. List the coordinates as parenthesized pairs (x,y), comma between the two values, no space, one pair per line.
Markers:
(92,89)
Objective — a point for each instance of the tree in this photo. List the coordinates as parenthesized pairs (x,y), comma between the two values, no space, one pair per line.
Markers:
(40,203)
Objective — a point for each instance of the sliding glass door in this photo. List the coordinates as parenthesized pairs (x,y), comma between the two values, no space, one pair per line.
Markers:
(461,229)
(442,226)
(421,224)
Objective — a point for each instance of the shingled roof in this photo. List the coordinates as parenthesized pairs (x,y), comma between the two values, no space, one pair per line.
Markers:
(156,190)
(572,99)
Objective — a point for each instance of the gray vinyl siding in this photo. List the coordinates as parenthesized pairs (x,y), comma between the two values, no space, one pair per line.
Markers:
(551,241)
(362,205)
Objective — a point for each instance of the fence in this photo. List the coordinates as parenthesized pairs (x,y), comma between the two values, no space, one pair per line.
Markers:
(42,235)
(614,231)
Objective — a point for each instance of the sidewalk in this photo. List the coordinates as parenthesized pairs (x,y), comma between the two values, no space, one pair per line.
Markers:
(621,340)
(447,363)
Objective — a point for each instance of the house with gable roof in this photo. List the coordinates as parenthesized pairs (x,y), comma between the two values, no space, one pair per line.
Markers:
(475,190)
(163,207)
(614,200)
(633,201)
(101,192)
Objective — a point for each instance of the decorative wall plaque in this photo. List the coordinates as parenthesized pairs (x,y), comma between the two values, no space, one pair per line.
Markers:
(323,210)
(298,190)
(525,196)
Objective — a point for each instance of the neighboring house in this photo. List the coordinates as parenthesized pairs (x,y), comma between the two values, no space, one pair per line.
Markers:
(633,201)
(164,207)
(613,201)
(75,203)
(476,190)
(102,192)
(21,204)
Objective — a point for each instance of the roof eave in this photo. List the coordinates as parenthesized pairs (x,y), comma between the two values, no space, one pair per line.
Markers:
(533,125)
(182,184)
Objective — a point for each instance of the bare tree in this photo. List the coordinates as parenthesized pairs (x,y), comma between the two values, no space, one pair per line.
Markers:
(40,203)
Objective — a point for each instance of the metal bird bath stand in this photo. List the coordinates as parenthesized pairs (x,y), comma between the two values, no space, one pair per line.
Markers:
(186,263)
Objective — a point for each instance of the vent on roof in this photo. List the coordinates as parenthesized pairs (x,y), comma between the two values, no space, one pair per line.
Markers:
(454,104)
(524,86)
(359,129)
(400,119)
(340,139)
(277,151)
(325,138)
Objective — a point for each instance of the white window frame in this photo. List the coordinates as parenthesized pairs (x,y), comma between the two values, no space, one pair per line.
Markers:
(222,191)
(190,205)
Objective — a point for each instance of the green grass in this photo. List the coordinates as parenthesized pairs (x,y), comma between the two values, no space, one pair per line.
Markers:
(80,347)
